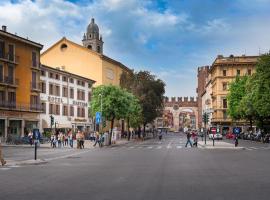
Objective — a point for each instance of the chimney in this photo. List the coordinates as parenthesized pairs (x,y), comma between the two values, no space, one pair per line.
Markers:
(4,28)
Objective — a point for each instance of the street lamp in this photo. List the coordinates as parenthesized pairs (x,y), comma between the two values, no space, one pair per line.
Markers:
(101,124)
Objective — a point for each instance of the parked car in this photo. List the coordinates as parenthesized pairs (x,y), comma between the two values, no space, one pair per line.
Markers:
(229,136)
(216,136)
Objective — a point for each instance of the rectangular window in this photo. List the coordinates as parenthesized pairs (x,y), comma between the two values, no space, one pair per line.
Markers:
(224,102)
(71,80)
(224,72)
(43,73)
(64,92)
(51,109)
(89,96)
(11,52)
(83,95)
(57,77)
(71,95)
(57,90)
(64,110)
(57,109)
(224,86)
(10,77)
(2,98)
(78,95)
(64,78)
(51,89)
(225,114)
(12,99)
(82,83)
(71,111)
(34,59)
(1,73)
(78,82)
(2,49)
(43,106)
(249,71)
(78,112)
(43,87)
(34,80)
(34,102)
(83,112)
(51,75)
(238,72)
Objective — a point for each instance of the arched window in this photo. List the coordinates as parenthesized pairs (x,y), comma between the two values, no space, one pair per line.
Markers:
(98,49)
(89,46)
(90,35)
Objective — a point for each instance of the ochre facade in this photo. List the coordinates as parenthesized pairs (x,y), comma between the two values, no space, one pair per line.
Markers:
(82,61)
(223,71)
(19,84)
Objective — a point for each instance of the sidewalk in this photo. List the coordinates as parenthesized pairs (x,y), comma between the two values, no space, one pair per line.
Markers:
(219,144)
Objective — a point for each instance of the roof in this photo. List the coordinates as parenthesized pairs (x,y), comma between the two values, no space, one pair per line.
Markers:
(66,72)
(102,56)
(21,39)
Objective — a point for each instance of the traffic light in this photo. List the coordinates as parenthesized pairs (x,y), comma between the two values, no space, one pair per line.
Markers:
(205,118)
(52,120)
(103,122)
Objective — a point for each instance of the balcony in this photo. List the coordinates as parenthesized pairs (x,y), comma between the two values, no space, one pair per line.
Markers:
(9,81)
(35,86)
(6,105)
(11,58)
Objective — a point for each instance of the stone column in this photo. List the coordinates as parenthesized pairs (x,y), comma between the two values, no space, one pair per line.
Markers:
(6,127)
(22,128)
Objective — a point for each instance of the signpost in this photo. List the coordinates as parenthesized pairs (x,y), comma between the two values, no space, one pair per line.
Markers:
(213,130)
(36,137)
(98,119)
(205,120)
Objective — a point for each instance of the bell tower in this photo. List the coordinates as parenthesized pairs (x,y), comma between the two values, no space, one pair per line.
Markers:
(91,38)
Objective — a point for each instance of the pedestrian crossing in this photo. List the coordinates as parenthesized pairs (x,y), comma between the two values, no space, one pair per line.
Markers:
(257,148)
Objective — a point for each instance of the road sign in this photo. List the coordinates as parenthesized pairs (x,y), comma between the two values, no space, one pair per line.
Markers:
(236,130)
(98,117)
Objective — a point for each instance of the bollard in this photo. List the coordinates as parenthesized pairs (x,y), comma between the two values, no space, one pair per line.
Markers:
(35,150)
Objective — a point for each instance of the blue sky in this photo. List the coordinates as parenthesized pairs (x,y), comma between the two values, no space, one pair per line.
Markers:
(170,38)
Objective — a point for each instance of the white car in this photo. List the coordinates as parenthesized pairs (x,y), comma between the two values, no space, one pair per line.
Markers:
(216,136)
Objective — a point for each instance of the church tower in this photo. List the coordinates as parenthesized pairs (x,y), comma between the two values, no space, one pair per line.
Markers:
(91,39)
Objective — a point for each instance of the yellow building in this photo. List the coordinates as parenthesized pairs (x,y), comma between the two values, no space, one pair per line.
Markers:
(85,60)
(222,72)
(19,84)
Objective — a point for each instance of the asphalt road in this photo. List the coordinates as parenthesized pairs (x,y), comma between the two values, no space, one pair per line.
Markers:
(151,170)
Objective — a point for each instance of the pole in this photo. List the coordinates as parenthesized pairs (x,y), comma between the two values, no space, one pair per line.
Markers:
(35,149)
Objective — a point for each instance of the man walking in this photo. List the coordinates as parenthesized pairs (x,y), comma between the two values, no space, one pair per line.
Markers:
(188,139)
(3,162)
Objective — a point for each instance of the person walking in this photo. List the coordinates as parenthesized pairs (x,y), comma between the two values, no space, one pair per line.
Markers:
(30,137)
(3,162)
(70,138)
(96,139)
(59,140)
(188,139)
(236,140)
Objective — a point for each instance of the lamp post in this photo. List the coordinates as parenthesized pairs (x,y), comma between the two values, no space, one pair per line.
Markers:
(101,124)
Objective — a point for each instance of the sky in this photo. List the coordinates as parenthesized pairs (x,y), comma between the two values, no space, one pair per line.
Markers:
(170,38)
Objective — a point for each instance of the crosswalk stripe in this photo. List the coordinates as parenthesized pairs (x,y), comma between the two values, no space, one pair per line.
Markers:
(159,147)
(179,147)
(150,147)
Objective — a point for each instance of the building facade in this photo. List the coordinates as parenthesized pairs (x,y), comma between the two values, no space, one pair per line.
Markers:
(66,97)
(19,84)
(223,71)
(202,75)
(85,60)
(206,101)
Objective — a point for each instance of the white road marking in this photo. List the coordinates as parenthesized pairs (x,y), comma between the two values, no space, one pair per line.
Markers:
(150,147)
(4,168)
(178,147)
(132,147)
(159,147)
(169,146)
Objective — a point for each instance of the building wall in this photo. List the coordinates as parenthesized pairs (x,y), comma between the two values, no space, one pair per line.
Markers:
(111,73)
(201,76)
(207,100)
(75,59)
(219,92)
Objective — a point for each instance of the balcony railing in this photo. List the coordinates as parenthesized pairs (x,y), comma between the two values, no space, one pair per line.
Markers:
(9,80)
(10,57)
(35,85)
(20,106)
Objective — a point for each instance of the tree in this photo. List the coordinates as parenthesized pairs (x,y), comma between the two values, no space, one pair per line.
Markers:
(115,103)
(149,90)
(259,90)
(237,90)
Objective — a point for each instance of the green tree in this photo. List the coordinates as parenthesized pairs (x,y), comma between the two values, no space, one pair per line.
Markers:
(237,90)
(149,90)
(115,103)
(259,90)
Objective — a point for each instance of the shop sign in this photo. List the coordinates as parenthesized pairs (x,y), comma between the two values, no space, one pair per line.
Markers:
(55,99)
(78,103)
(80,120)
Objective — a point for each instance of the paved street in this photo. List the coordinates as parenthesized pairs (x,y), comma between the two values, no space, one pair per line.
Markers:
(142,170)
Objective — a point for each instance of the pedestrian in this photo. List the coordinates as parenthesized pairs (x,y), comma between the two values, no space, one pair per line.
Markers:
(96,139)
(70,137)
(59,140)
(195,140)
(78,138)
(188,139)
(66,139)
(52,138)
(236,141)
(54,141)
(82,140)
(30,137)
(3,162)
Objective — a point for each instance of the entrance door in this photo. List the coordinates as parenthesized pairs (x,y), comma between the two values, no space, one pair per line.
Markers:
(2,128)
(15,127)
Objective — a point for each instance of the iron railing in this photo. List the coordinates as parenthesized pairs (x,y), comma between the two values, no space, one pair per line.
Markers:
(20,106)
